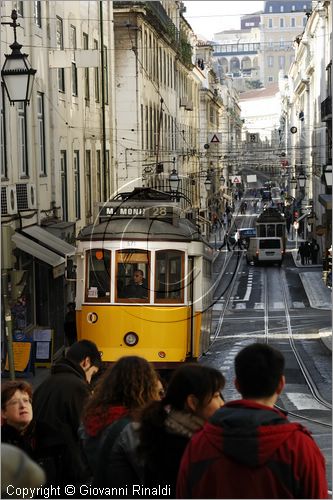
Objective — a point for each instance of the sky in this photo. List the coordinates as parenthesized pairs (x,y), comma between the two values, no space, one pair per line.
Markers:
(209,17)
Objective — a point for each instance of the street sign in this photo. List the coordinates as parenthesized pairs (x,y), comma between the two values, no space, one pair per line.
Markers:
(235,179)
(252,138)
(215,138)
(296,225)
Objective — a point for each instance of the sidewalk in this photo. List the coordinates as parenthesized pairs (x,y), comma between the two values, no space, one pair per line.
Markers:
(318,294)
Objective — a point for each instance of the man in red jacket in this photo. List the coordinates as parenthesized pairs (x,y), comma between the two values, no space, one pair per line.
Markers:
(249,449)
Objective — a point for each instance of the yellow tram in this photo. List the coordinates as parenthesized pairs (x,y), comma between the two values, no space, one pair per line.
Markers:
(166,316)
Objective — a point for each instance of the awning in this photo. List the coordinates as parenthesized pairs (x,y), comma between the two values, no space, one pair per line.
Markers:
(326,200)
(49,240)
(44,254)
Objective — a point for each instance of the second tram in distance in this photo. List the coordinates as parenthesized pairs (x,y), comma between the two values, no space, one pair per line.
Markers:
(165,316)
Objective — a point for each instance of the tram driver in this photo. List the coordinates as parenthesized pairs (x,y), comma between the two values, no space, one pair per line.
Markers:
(137,289)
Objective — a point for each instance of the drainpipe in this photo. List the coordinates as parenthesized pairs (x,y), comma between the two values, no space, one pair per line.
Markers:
(105,180)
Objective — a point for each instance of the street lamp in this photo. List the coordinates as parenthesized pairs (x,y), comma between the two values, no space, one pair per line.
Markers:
(208,183)
(328,175)
(17,73)
(174,180)
(301,180)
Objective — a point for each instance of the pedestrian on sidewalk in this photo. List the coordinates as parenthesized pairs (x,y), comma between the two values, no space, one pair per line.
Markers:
(249,449)
(314,249)
(301,252)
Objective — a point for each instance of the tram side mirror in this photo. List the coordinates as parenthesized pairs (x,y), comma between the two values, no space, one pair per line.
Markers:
(70,269)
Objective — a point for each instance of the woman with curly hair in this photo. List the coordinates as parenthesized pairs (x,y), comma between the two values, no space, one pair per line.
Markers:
(192,397)
(125,388)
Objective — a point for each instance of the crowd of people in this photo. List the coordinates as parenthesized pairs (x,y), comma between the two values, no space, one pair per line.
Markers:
(126,434)
(308,252)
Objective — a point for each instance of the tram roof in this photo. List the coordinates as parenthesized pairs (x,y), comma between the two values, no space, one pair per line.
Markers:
(270,215)
(141,229)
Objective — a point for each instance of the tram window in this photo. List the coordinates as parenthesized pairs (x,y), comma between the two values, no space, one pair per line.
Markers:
(132,275)
(270,230)
(98,275)
(169,276)
(262,231)
(279,230)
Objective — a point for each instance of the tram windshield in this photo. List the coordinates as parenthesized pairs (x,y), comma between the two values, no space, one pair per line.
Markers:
(169,276)
(132,269)
(98,275)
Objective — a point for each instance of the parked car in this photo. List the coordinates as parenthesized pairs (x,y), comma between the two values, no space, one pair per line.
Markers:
(245,234)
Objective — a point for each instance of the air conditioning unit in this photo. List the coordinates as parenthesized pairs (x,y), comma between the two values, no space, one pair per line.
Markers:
(32,199)
(183,101)
(11,200)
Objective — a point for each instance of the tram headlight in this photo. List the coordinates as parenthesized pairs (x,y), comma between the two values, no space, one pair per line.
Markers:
(131,339)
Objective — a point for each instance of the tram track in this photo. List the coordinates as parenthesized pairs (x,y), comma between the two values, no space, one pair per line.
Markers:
(310,383)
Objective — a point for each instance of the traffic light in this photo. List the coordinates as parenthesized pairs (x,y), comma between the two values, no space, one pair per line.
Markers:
(18,281)
(8,259)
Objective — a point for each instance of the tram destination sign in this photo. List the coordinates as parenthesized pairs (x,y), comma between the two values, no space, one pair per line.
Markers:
(140,211)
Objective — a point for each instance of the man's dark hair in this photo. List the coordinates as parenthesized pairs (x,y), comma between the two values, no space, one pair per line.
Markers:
(83,348)
(258,369)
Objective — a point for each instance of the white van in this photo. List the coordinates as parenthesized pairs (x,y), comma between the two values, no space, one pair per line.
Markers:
(265,250)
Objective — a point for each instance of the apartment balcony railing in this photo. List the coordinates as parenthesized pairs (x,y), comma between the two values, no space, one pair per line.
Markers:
(158,17)
(326,109)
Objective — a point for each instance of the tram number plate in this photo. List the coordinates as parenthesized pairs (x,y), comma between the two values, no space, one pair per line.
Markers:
(159,212)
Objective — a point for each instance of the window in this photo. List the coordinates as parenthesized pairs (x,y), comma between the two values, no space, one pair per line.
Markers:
(270,8)
(270,61)
(282,62)
(74,79)
(38,14)
(64,180)
(96,76)
(60,46)
(77,194)
(169,276)
(281,22)
(304,21)
(281,43)
(132,276)
(41,133)
(293,22)
(270,23)
(3,152)
(22,139)
(72,39)
(281,8)
(270,79)
(98,273)
(86,70)
(293,8)
(19,8)
(270,43)
(88,184)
